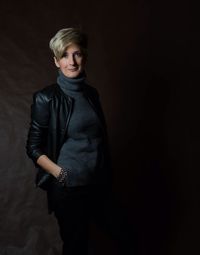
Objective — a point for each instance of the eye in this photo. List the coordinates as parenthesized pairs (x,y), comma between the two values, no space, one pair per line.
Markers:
(78,54)
(65,55)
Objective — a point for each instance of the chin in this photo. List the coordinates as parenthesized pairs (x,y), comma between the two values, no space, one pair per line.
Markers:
(72,74)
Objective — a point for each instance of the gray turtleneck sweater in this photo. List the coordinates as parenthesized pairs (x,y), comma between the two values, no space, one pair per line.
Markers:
(81,153)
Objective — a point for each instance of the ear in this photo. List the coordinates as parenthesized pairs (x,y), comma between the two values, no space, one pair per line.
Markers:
(56,62)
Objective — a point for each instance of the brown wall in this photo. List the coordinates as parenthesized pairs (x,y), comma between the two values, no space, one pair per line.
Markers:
(143,59)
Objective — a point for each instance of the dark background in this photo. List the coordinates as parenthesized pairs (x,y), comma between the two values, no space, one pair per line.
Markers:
(144,61)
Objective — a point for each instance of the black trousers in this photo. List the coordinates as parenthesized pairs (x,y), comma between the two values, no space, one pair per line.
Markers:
(74,208)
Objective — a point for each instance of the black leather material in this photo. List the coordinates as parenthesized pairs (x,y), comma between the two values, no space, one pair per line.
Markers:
(50,114)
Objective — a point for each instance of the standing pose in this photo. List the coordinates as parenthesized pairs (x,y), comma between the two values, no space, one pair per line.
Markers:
(67,141)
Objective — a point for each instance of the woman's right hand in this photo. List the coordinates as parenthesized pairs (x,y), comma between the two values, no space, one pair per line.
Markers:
(48,165)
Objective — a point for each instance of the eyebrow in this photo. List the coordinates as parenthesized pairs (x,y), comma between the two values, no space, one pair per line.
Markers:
(77,51)
(73,51)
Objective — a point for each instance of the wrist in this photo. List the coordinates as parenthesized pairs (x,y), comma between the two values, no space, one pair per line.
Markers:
(56,172)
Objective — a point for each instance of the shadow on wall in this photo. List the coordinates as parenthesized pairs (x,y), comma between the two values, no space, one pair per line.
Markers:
(156,194)
(144,214)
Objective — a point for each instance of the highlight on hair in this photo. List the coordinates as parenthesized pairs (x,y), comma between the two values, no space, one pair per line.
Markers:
(64,38)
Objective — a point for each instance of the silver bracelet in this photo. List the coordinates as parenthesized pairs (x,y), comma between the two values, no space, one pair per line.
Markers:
(62,176)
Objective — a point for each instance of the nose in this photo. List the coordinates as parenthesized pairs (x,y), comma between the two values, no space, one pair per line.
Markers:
(72,60)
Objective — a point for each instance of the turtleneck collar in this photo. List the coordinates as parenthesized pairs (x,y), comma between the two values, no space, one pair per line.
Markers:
(71,84)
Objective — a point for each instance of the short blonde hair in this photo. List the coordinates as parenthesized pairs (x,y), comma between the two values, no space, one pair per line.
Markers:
(65,37)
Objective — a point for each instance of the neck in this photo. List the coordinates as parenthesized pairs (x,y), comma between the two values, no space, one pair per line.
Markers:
(73,84)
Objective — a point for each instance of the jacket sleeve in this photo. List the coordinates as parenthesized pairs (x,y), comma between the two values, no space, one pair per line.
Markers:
(37,134)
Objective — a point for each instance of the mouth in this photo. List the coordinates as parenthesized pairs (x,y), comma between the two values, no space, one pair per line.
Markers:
(73,70)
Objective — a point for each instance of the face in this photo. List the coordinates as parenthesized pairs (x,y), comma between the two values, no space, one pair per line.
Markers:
(72,62)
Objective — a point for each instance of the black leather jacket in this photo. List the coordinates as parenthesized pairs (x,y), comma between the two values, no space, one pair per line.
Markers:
(50,114)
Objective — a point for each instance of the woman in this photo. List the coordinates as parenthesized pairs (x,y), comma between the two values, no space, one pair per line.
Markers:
(67,141)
